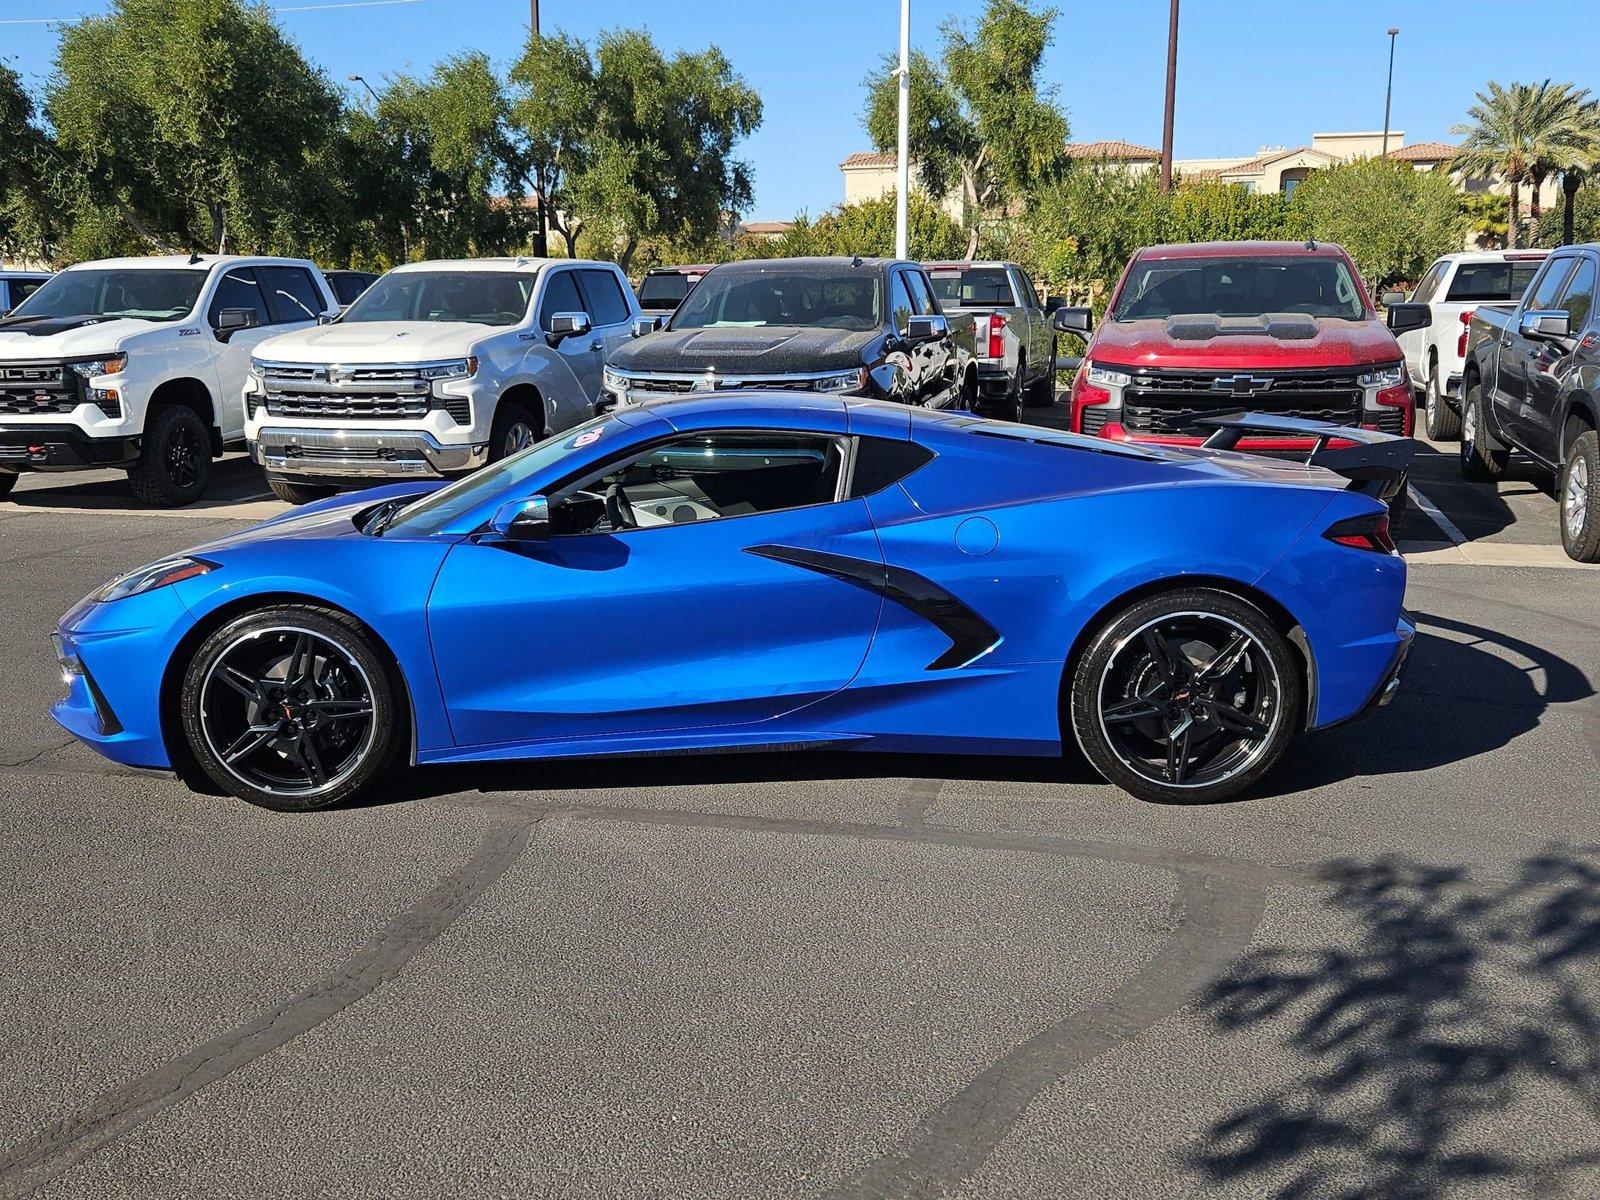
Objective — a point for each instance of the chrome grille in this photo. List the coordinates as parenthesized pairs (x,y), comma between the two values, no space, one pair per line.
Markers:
(707,382)
(1173,403)
(375,392)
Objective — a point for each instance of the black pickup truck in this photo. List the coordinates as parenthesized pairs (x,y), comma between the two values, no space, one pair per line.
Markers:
(1532,384)
(848,326)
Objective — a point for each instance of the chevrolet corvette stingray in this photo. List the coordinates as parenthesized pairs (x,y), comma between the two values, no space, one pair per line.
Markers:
(771,571)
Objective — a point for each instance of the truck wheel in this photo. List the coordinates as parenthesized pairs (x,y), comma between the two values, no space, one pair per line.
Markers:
(1482,455)
(514,429)
(291,492)
(1042,391)
(1580,499)
(1443,422)
(1017,399)
(174,463)
(8,480)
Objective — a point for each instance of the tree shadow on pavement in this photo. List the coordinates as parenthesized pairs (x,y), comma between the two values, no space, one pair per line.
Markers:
(1461,1015)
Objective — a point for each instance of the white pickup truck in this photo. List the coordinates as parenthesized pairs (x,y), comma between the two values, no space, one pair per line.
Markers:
(1014,342)
(140,362)
(437,369)
(1454,286)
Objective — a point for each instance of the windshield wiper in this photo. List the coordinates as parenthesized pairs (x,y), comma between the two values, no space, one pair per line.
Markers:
(384,514)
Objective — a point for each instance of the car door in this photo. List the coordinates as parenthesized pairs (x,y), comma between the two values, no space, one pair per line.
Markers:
(916,357)
(1549,368)
(1414,342)
(694,616)
(582,353)
(606,301)
(1032,328)
(238,288)
(939,356)
(1519,356)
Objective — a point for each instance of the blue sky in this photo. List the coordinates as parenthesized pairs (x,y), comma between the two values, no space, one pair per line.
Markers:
(1250,72)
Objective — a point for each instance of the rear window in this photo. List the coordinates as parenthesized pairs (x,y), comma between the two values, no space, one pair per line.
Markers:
(978,287)
(1318,286)
(664,292)
(1489,281)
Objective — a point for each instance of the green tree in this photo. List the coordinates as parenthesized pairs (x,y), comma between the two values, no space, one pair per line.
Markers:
(866,228)
(193,119)
(30,207)
(980,119)
(1520,134)
(1393,219)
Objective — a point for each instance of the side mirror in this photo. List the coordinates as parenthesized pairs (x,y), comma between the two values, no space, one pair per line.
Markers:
(927,328)
(1390,299)
(890,381)
(1074,320)
(231,320)
(1404,317)
(522,520)
(647,325)
(1546,323)
(565,325)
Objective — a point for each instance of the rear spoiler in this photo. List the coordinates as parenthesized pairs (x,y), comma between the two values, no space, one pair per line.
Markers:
(1375,463)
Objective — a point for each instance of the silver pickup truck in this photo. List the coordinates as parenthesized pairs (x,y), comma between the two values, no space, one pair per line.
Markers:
(1014,342)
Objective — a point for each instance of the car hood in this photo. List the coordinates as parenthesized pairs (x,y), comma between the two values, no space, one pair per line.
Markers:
(67,337)
(377,342)
(1290,340)
(766,350)
(333,518)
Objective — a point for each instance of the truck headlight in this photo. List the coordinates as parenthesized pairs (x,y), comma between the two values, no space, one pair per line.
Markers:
(151,576)
(1384,377)
(111,364)
(613,382)
(840,381)
(1107,378)
(461,368)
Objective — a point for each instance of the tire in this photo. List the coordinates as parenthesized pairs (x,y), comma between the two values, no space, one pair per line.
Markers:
(8,480)
(281,744)
(1399,507)
(967,397)
(515,429)
(1041,392)
(1482,456)
(1579,494)
(1017,397)
(1155,706)
(291,492)
(174,463)
(1443,423)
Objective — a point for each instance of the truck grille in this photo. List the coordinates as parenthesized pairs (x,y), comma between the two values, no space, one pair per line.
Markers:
(366,393)
(34,389)
(679,384)
(1172,403)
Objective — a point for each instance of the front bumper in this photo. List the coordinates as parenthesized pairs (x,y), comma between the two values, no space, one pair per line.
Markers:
(363,453)
(60,447)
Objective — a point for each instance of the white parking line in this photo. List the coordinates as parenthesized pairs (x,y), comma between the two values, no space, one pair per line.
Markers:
(1451,530)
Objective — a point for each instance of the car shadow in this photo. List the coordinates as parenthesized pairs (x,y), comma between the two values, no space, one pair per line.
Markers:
(1478,510)
(1454,1010)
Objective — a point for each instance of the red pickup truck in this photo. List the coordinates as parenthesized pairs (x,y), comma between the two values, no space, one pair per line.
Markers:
(1278,327)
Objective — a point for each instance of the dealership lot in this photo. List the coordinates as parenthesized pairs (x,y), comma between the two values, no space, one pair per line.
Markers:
(824,974)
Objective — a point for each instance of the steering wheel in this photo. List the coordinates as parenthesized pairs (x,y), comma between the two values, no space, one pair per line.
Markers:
(618,511)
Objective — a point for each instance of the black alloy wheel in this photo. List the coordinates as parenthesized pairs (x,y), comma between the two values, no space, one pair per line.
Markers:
(174,463)
(1187,696)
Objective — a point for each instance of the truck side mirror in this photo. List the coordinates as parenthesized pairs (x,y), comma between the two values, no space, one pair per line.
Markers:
(231,320)
(1074,320)
(926,328)
(565,325)
(1546,323)
(1404,317)
(647,325)
(522,520)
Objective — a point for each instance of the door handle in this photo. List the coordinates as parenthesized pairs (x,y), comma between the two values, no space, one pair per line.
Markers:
(596,347)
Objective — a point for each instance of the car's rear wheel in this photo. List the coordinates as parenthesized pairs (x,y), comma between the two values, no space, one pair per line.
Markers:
(293,492)
(1188,696)
(1442,422)
(1580,498)
(1482,455)
(291,707)
(1017,399)
(1042,391)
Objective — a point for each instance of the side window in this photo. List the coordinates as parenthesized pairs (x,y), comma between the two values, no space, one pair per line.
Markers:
(292,295)
(881,462)
(560,296)
(607,305)
(706,477)
(1579,298)
(1429,284)
(21,289)
(900,309)
(922,301)
(237,289)
(1548,286)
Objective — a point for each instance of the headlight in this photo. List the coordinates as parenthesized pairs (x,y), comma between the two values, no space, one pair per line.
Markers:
(147,578)
(612,381)
(257,372)
(461,368)
(111,364)
(1384,377)
(1107,378)
(839,381)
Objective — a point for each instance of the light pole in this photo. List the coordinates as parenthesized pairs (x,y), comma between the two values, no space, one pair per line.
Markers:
(902,199)
(1172,89)
(541,231)
(1388,93)
(365,84)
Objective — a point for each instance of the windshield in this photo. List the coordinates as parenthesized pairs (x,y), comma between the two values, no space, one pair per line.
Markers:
(144,294)
(482,297)
(438,510)
(976,287)
(845,298)
(1492,280)
(664,292)
(1239,287)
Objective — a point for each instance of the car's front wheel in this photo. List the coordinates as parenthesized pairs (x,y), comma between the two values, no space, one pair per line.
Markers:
(1579,492)
(174,463)
(292,707)
(1188,696)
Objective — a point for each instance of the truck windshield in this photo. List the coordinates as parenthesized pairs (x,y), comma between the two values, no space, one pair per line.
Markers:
(1490,281)
(481,297)
(1239,287)
(841,298)
(664,292)
(146,295)
(976,287)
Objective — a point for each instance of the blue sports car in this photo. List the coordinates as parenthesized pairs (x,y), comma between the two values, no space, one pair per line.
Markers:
(771,571)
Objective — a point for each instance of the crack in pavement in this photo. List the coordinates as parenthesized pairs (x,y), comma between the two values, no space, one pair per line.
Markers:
(63,1144)
(38,754)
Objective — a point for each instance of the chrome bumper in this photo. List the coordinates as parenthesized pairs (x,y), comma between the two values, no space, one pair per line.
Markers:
(364,452)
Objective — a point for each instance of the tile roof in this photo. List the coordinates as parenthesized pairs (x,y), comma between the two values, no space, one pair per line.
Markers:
(869,158)
(768,226)
(1113,149)
(1424,152)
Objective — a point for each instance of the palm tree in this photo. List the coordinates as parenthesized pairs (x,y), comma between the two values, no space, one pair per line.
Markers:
(1521,134)
(1580,163)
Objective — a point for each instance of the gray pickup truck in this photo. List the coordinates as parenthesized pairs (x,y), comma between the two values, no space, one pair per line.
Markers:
(1529,384)
(1014,343)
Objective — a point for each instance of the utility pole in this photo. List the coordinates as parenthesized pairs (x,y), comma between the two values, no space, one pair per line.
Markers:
(1388,93)
(902,198)
(1172,89)
(541,231)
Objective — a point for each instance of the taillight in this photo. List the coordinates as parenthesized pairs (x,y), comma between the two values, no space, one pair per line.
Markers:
(1466,327)
(997,326)
(1363,533)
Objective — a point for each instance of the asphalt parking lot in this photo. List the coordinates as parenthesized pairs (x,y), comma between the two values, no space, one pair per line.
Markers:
(825,975)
